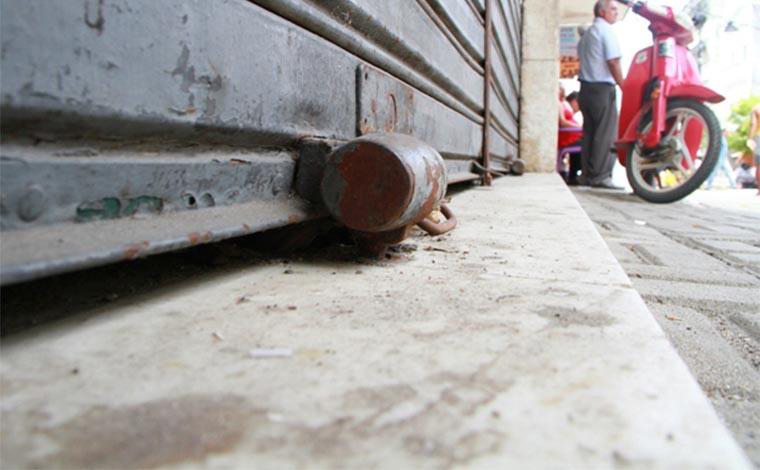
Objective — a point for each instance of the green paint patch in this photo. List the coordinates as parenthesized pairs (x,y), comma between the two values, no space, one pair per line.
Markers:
(150,204)
(103,209)
(111,208)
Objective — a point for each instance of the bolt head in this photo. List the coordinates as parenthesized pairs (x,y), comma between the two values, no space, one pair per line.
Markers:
(32,204)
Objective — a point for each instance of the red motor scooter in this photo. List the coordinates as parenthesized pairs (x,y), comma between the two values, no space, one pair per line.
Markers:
(668,140)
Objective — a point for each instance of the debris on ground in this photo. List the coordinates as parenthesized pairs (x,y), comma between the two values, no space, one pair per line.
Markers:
(433,248)
(267,353)
(403,248)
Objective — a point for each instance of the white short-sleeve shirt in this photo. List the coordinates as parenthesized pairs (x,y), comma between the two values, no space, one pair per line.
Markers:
(596,47)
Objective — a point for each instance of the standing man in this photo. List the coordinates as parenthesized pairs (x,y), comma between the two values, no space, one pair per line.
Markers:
(599,54)
(754,142)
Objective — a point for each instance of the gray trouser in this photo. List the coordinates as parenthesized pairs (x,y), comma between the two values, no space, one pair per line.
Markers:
(600,116)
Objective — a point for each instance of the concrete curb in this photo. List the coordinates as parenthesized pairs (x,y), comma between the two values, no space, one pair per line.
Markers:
(517,340)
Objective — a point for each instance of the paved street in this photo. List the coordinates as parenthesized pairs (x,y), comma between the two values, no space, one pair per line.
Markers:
(696,263)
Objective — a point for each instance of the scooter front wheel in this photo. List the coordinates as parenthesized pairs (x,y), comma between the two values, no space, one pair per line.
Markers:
(687,153)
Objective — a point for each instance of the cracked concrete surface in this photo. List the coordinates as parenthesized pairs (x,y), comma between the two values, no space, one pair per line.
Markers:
(514,341)
(694,263)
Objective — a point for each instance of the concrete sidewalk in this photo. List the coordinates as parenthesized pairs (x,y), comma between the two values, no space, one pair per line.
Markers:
(515,340)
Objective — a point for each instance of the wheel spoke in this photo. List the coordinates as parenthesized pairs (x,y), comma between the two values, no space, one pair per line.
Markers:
(677,125)
(650,165)
(686,155)
(685,118)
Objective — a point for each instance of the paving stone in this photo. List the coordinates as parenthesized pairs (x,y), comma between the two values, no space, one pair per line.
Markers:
(695,292)
(732,246)
(749,322)
(719,368)
(623,253)
(701,276)
(677,255)
(748,258)
(743,418)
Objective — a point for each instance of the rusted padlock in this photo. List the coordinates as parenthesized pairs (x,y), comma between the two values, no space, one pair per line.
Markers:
(379,185)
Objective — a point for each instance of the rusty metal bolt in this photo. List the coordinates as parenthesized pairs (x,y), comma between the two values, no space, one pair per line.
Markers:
(382,182)
(517,167)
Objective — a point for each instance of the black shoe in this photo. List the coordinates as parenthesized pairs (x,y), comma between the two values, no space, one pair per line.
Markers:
(606,184)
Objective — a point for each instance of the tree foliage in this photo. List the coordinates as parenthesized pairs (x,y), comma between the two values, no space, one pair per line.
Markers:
(740,117)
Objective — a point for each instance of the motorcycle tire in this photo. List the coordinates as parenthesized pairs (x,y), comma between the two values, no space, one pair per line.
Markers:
(643,186)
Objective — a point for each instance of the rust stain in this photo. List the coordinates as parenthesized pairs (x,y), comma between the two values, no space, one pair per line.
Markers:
(432,174)
(146,435)
(239,161)
(196,237)
(246,227)
(365,127)
(409,95)
(133,251)
(408,112)
(378,187)
(390,123)
(293,219)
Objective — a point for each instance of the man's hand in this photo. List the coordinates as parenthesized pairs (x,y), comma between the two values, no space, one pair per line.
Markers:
(616,71)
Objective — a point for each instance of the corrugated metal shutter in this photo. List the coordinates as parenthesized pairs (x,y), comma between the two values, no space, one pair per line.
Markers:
(137,127)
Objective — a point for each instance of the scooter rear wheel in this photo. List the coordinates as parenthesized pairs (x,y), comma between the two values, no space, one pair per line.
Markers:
(677,168)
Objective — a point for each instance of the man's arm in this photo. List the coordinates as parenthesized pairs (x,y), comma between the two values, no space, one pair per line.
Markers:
(616,71)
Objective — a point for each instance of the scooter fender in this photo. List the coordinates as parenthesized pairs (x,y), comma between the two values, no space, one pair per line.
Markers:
(698,92)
